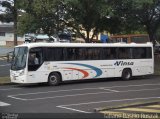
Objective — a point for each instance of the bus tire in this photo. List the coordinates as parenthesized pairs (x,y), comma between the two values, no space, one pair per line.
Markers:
(127,74)
(54,79)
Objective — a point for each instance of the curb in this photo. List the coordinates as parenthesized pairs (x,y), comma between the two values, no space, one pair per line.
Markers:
(127,106)
(154,76)
(3,84)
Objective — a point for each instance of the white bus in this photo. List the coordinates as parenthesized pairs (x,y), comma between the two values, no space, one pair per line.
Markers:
(57,62)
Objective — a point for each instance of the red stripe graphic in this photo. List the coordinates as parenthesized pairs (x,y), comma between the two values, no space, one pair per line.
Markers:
(80,70)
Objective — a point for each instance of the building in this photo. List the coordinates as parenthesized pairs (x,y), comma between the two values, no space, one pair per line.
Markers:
(7,35)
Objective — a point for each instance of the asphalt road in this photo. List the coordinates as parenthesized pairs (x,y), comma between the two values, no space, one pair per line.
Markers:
(77,97)
(5,50)
(4,65)
(4,68)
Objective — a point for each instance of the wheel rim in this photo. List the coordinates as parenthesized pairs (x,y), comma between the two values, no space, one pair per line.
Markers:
(53,79)
(127,75)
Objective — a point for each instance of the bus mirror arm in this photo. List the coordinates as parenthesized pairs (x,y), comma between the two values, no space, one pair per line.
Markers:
(9,57)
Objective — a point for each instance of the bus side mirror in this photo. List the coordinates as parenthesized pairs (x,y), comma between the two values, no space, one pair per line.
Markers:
(9,57)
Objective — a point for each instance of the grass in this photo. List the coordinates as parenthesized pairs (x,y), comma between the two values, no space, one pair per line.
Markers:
(4,80)
(1,46)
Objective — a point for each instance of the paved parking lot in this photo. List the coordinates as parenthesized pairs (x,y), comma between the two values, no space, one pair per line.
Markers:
(73,97)
(81,97)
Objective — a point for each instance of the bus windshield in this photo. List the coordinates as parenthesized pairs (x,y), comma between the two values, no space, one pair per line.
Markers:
(19,58)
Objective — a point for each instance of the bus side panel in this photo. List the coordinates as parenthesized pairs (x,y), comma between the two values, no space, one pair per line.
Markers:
(74,70)
(137,66)
(143,67)
(77,70)
(40,75)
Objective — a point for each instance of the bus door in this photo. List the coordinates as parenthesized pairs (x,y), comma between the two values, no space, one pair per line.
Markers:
(35,60)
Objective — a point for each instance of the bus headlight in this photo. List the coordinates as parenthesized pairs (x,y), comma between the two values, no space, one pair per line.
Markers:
(21,72)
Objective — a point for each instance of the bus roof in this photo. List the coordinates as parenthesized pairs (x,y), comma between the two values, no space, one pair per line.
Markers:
(31,45)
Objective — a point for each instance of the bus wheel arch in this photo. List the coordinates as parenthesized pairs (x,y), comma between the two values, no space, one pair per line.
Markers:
(54,78)
(127,74)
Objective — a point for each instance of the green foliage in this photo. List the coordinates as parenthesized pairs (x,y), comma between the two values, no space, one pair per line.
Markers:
(7,15)
(87,15)
(44,15)
(52,16)
(27,24)
(114,16)
(138,15)
(39,15)
(10,14)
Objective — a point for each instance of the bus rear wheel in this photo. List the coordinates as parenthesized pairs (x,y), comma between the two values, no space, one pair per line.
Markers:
(126,74)
(54,79)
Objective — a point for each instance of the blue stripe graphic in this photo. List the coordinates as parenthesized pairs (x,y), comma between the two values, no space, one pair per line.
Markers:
(98,71)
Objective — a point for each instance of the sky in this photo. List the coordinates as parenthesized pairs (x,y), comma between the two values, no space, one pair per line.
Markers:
(2,8)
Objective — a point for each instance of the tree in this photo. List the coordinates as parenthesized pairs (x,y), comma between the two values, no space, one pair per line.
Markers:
(53,16)
(158,35)
(10,14)
(86,15)
(40,15)
(151,18)
(139,14)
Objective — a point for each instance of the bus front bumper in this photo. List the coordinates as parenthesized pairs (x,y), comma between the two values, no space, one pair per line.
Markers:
(17,78)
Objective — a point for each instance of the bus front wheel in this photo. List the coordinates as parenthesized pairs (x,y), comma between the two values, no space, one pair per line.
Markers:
(126,74)
(54,79)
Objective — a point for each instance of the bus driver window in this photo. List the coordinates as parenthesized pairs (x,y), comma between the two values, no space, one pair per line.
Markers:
(33,60)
